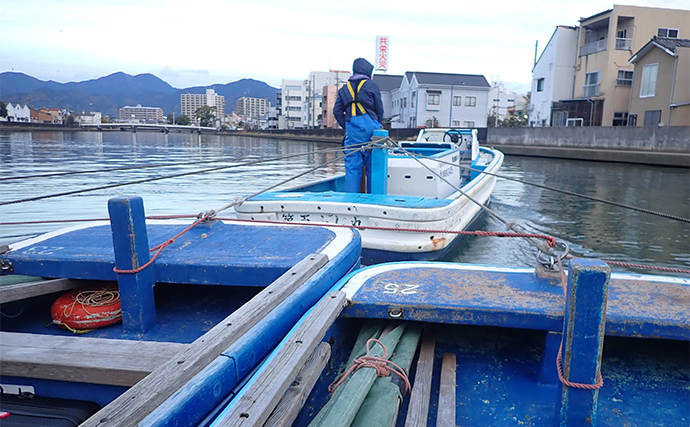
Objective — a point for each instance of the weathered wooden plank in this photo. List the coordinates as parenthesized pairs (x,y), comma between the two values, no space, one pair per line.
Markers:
(418,410)
(289,406)
(446,396)
(20,291)
(137,402)
(82,359)
(254,407)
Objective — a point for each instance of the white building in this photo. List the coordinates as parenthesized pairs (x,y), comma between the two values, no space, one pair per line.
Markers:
(293,97)
(439,100)
(552,76)
(18,113)
(248,108)
(141,114)
(92,118)
(501,101)
(190,102)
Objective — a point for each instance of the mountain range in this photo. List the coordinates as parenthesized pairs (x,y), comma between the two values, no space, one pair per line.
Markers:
(110,93)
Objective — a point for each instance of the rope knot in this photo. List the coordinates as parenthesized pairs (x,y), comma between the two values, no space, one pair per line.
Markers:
(383,368)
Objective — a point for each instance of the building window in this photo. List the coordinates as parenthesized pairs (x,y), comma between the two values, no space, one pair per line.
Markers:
(470,101)
(468,123)
(414,97)
(457,102)
(668,32)
(592,82)
(456,123)
(625,78)
(652,117)
(540,85)
(560,118)
(648,85)
(433,99)
(620,118)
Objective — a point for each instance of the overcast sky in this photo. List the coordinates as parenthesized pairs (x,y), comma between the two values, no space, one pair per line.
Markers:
(194,43)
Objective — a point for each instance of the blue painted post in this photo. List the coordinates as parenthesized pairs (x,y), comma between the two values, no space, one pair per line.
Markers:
(131,245)
(379,166)
(583,340)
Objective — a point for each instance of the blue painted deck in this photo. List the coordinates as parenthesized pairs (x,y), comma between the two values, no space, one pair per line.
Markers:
(638,306)
(214,253)
(351,198)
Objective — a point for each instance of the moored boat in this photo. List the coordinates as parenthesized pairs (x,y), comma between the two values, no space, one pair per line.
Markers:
(195,322)
(423,193)
(481,345)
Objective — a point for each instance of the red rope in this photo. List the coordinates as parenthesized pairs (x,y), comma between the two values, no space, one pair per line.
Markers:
(160,248)
(559,364)
(550,240)
(383,368)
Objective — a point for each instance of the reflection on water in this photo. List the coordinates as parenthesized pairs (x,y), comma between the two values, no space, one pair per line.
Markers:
(593,229)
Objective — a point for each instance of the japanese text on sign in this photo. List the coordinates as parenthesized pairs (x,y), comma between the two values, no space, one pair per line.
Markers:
(382,46)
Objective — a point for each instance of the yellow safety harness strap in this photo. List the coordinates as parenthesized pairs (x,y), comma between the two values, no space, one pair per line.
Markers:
(354,98)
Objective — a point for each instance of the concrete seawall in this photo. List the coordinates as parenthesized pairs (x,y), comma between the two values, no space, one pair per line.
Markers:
(665,146)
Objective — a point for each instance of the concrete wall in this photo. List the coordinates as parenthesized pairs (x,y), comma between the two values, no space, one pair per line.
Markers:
(667,145)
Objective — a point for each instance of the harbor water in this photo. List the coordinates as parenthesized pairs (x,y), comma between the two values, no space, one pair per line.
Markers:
(592,229)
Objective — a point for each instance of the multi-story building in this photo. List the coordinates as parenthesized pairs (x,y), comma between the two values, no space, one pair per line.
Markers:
(293,97)
(440,100)
(141,114)
(318,80)
(552,77)
(249,108)
(389,83)
(602,74)
(330,94)
(190,102)
(661,83)
(501,101)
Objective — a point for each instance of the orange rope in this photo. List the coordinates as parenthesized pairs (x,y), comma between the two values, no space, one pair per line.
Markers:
(383,368)
(160,248)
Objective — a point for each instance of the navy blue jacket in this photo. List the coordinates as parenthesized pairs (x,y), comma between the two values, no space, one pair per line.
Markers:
(369,95)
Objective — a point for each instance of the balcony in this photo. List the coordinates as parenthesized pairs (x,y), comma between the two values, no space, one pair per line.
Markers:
(623,44)
(593,47)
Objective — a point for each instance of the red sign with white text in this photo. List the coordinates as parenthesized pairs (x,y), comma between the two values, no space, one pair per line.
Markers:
(382,47)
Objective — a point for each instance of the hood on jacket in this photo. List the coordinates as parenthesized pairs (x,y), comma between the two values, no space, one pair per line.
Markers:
(363,67)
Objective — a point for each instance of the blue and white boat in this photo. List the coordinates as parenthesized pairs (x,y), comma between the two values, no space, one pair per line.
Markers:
(195,322)
(481,346)
(422,192)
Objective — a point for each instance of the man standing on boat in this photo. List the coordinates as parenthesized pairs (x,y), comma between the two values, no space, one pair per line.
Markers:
(358,109)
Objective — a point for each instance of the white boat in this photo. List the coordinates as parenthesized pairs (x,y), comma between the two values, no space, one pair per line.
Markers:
(422,192)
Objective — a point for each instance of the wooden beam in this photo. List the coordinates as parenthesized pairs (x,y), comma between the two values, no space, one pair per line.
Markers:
(289,406)
(137,402)
(445,416)
(255,406)
(20,291)
(82,359)
(418,409)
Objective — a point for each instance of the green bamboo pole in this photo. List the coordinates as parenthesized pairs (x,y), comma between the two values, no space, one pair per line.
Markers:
(345,405)
(380,408)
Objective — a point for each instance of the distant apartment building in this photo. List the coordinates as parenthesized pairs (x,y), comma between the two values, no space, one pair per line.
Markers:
(293,96)
(249,108)
(141,114)
(190,102)
(661,83)
(318,80)
(501,101)
(330,94)
(602,76)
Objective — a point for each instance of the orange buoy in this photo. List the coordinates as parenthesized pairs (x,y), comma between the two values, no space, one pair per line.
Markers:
(87,308)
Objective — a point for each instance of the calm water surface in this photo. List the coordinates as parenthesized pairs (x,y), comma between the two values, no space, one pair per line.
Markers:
(593,229)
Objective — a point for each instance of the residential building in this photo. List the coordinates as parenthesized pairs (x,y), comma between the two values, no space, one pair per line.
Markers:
(440,100)
(500,101)
(389,83)
(315,87)
(603,75)
(661,83)
(18,113)
(91,118)
(190,102)
(247,107)
(293,96)
(553,77)
(40,116)
(330,94)
(141,114)
(57,115)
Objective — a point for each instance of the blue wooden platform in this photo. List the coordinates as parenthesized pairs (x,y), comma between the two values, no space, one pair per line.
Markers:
(638,306)
(214,253)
